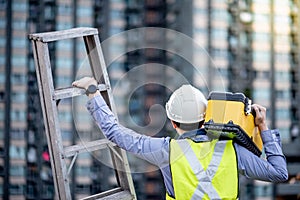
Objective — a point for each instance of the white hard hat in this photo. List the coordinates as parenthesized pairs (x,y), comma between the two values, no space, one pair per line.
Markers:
(186,105)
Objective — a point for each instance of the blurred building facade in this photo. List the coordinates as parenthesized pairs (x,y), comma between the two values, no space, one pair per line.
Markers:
(253,47)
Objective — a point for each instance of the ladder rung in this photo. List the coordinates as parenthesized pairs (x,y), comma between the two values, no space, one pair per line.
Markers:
(64,34)
(116,193)
(87,147)
(63,93)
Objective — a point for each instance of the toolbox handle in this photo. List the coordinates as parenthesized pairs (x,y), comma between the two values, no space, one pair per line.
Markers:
(248,108)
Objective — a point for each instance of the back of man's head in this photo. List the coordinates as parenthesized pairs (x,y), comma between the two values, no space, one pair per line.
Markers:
(186,107)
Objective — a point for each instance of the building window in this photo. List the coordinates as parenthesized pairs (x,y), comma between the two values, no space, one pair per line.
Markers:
(200,11)
(2,24)
(200,30)
(19,24)
(84,12)
(49,12)
(2,114)
(30,191)
(117,14)
(19,42)
(281,19)
(18,79)
(281,3)
(64,25)
(19,61)
(18,97)
(223,72)
(2,58)
(282,113)
(17,170)
(1,186)
(20,6)
(64,63)
(115,30)
(64,9)
(265,2)
(85,155)
(263,74)
(261,36)
(218,34)
(134,20)
(261,18)
(219,53)
(2,4)
(282,94)
(64,45)
(18,115)
(2,44)
(17,152)
(282,39)
(17,189)
(82,189)
(1,134)
(282,76)
(282,57)
(261,94)
(220,15)
(17,134)
(48,191)
(83,171)
(263,190)
(66,135)
(261,56)
(63,81)
(65,116)
(284,133)
(83,117)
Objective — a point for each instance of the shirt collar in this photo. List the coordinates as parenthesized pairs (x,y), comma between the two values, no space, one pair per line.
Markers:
(198,135)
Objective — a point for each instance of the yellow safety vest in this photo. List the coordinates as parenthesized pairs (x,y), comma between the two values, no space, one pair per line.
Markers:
(204,170)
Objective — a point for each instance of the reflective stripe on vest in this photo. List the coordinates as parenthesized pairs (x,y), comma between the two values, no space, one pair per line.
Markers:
(198,175)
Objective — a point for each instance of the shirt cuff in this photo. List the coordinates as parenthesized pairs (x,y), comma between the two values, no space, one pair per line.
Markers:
(270,136)
(95,103)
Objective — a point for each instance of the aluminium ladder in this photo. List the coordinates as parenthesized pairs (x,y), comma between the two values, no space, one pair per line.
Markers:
(49,99)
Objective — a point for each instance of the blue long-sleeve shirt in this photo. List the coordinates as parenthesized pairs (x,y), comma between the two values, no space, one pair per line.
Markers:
(156,150)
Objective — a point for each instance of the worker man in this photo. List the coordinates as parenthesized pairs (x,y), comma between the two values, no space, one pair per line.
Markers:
(194,166)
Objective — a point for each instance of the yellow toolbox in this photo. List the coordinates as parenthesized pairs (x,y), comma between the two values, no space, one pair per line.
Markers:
(229,116)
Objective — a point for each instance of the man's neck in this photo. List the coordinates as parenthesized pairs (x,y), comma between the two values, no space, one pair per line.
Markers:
(180,131)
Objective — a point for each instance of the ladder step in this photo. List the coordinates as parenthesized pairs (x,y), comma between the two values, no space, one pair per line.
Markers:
(116,193)
(87,147)
(64,34)
(69,92)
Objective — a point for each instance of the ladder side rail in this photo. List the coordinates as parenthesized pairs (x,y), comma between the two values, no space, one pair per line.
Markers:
(42,101)
(103,66)
(45,83)
(122,169)
(97,63)
(127,172)
(98,66)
